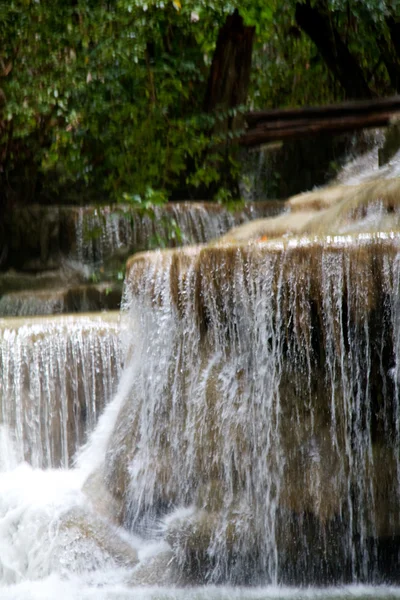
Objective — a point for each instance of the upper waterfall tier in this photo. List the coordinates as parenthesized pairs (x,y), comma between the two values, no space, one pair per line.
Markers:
(334,210)
(56,374)
(71,259)
(266,399)
(43,236)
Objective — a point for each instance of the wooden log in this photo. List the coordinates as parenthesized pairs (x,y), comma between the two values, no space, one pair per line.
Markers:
(330,110)
(305,122)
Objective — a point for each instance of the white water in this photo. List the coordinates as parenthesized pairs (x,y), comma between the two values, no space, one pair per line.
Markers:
(76,589)
(257,429)
(102,232)
(366,166)
(56,374)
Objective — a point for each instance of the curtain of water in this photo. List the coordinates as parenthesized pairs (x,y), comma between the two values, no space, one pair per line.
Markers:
(101,232)
(56,374)
(266,403)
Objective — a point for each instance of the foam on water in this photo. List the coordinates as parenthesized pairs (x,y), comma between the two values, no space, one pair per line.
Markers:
(107,589)
(51,534)
(366,167)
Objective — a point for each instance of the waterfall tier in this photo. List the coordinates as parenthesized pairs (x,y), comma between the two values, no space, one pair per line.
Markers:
(56,374)
(261,433)
(71,259)
(59,300)
(255,433)
(43,236)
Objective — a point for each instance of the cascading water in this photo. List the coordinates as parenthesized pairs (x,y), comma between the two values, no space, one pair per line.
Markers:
(104,231)
(69,259)
(55,377)
(268,404)
(255,434)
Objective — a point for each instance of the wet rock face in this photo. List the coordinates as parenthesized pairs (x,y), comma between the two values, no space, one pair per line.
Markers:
(34,238)
(85,542)
(268,404)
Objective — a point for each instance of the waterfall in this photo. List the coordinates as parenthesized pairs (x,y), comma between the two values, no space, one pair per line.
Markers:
(266,403)
(253,437)
(56,374)
(103,231)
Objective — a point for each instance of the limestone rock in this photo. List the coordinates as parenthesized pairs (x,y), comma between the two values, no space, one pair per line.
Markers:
(267,401)
(85,542)
(340,210)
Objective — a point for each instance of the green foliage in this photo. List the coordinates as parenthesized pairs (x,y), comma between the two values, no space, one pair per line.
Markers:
(150,199)
(107,96)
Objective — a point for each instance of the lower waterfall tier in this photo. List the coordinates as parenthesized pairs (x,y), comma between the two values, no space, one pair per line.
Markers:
(56,374)
(261,433)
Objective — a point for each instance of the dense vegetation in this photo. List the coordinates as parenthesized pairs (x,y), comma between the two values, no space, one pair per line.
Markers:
(127,98)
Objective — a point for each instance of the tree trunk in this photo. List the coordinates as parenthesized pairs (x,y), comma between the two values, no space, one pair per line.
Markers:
(387,51)
(315,22)
(394,30)
(281,130)
(227,89)
(229,78)
(391,63)
(293,123)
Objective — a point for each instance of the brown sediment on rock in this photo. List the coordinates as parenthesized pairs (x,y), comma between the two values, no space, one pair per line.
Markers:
(302,274)
(148,270)
(298,263)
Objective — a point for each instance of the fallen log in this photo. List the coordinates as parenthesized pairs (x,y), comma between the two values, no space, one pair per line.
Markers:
(272,125)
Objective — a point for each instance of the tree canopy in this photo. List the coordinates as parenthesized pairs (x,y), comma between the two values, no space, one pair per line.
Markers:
(112,98)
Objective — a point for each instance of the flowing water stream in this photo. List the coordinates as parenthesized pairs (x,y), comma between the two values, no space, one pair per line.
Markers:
(251,450)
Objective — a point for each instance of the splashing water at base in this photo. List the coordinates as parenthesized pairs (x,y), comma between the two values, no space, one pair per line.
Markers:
(109,586)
